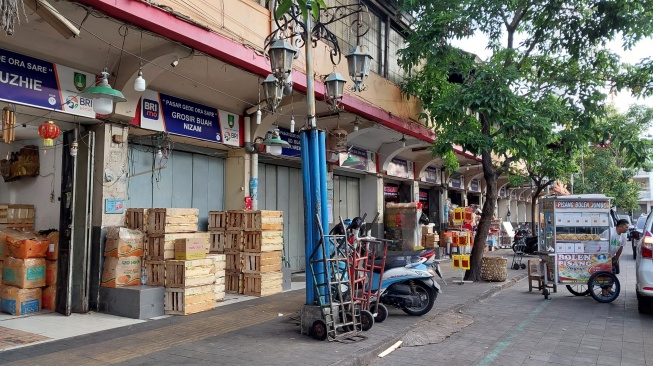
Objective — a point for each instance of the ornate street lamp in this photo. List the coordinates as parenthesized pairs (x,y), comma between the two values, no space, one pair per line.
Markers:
(358,63)
(335,85)
(282,55)
(272,91)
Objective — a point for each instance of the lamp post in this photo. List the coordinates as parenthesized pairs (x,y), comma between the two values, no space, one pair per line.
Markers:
(313,140)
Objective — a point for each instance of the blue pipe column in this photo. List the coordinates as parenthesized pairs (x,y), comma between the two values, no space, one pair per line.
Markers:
(308,214)
(324,212)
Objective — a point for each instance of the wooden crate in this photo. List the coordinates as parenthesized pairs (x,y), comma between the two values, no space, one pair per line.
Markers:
(162,246)
(155,272)
(18,217)
(217,220)
(235,220)
(262,220)
(172,220)
(185,301)
(262,262)
(136,218)
(233,241)
(262,241)
(216,241)
(262,284)
(234,282)
(234,261)
(196,272)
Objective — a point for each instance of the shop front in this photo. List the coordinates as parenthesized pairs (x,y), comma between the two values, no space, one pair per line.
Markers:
(456,191)
(429,193)
(474,193)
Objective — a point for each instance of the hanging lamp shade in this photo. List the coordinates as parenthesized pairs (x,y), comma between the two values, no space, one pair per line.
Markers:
(281,54)
(272,91)
(351,160)
(275,140)
(359,64)
(103,95)
(335,86)
(49,131)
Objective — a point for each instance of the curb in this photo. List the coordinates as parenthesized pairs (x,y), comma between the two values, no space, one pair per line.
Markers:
(367,355)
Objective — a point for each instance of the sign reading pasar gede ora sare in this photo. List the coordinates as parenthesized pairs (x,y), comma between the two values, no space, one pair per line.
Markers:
(577,268)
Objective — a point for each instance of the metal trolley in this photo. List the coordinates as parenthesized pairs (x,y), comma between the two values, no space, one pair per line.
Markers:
(367,267)
(574,247)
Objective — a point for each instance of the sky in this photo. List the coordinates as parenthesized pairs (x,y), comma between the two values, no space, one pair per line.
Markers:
(622,101)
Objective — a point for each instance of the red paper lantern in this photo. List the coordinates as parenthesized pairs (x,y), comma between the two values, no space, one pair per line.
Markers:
(49,131)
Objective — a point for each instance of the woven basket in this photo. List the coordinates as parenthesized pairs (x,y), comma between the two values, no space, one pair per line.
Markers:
(493,269)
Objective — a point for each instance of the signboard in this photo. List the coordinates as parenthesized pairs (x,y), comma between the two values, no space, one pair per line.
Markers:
(29,81)
(502,192)
(295,150)
(400,168)
(390,192)
(582,205)
(161,112)
(475,185)
(367,159)
(577,268)
(114,206)
(430,175)
(457,182)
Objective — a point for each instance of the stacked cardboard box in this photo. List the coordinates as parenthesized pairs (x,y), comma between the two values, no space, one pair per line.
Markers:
(23,272)
(430,239)
(123,252)
(252,242)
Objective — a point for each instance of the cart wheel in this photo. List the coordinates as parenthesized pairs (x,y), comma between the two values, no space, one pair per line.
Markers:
(604,287)
(367,320)
(319,330)
(546,293)
(515,266)
(381,314)
(578,290)
(523,266)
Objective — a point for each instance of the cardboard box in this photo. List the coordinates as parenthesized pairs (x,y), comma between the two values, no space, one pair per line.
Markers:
(24,273)
(49,298)
(25,245)
(427,229)
(120,272)
(561,248)
(51,273)
(190,249)
(596,247)
(123,242)
(16,301)
(53,247)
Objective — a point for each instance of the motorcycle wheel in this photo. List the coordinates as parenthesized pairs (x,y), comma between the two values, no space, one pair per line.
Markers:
(381,313)
(367,320)
(427,295)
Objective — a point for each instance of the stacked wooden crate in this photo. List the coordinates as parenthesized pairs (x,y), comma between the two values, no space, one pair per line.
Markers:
(252,242)
(190,284)
(18,217)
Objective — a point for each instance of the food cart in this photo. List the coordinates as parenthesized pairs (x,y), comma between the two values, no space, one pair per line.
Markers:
(574,247)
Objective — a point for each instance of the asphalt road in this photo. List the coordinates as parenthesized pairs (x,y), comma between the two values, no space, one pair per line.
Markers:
(516,327)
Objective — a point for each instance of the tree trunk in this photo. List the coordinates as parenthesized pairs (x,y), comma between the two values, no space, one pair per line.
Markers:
(534,201)
(483,228)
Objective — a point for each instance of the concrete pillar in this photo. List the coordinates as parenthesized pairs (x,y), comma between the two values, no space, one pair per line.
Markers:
(415,191)
(236,185)
(371,196)
(110,182)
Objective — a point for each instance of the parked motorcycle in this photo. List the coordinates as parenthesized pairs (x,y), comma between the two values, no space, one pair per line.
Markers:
(409,281)
(523,237)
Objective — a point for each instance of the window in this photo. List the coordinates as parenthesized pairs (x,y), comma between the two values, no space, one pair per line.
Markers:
(371,41)
(396,42)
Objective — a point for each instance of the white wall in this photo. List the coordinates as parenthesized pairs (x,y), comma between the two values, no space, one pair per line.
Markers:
(36,190)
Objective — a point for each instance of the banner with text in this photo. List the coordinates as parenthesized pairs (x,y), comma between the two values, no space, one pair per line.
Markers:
(29,81)
(295,149)
(161,112)
(430,175)
(400,168)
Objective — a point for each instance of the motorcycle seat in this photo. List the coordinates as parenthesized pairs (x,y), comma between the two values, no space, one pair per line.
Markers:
(395,261)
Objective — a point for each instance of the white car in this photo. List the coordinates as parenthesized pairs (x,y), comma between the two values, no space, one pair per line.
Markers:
(644,267)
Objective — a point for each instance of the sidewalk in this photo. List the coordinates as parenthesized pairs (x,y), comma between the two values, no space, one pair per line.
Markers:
(260,331)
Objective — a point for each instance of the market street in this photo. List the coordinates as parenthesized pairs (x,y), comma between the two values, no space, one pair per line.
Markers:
(519,328)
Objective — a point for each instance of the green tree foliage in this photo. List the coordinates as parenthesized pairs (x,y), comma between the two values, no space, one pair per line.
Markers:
(549,68)
(621,145)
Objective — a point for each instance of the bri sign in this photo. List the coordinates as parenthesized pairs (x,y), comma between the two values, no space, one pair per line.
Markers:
(161,112)
(29,81)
